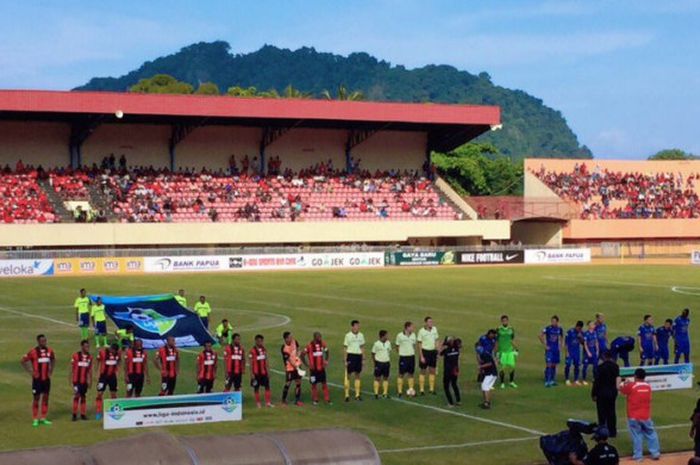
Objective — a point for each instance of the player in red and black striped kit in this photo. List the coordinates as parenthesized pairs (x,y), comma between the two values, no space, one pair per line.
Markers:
(39,362)
(136,369)
(207,361)
(234,355)
(259,375)
(168,362)
(108,359)
(315,356)
(80,379)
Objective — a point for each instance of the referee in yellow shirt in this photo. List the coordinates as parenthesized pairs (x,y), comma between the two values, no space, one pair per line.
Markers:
(406,347)
(203,309)
(381,351)
(354,351)
(428,348)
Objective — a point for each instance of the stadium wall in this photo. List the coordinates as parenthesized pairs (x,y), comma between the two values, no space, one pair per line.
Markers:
(34,143)
(584,230)
(388,150)
(125,234)
(212,146)
(142,144)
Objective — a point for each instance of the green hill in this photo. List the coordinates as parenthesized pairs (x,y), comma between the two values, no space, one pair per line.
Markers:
(530,128)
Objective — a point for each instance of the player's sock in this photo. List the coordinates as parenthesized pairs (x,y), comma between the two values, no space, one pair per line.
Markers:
(585,372)
(385,387)
(358,386)
(84,333)
(257,397)
(421,382)
(76,402)
(577,371)
(268,396)
(554,374)
(567,371)
(431,382)
(546,375)
(83,406)
(326,393)
(502,374)
(512,376)
(314,393)
(297,392)
(346,387)
(44,406)
(35,409)
(98,405)
(285,392)
(376,387)
(399,385)
(411,383)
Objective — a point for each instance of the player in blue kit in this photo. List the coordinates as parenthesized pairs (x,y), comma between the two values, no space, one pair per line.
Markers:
(681,337)
(601,330)
(647,341)
(592,350)
(551,338)
(663,336)
(621,347)
(572,343)
(488,341)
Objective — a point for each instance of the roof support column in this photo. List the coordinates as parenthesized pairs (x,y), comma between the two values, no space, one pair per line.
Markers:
(355,138)
(178,133)
(80,131)
(269,135)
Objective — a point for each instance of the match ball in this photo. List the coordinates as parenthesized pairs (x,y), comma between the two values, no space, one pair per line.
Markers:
(410,392)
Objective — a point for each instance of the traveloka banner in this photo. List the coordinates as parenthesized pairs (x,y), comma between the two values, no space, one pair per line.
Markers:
(20,268)
(420,258)
(663,377)
(156,317)
(144,412)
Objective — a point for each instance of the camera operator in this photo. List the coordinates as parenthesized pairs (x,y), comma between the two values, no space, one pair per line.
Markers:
(603,453)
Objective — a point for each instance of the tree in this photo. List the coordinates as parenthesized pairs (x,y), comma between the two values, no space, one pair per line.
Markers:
(292,92)
(237,91)
(208,88)
(161,84)
(479,169)
(672,154)
(343,94)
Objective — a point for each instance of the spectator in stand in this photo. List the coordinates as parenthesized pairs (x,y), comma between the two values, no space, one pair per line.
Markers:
(641,427)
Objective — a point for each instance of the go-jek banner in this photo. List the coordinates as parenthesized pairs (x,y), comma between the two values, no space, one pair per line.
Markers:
(19,268)
(664,377)
(144,412)
(155,317)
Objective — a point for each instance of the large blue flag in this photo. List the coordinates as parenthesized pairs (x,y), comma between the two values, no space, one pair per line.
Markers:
(155,317)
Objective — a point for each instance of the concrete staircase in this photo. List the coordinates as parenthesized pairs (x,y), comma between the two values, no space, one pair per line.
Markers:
(56,202)
(455,200)
(100,201)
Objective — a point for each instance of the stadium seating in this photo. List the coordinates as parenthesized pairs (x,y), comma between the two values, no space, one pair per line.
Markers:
(70,185)
(607,194)
(167,197)
(23,200)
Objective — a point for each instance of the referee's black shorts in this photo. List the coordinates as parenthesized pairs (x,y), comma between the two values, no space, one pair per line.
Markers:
(354,363)
(430,357)
(382,369)
(407,365)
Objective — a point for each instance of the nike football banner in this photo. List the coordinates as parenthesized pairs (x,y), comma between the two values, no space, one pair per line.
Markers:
(155,317)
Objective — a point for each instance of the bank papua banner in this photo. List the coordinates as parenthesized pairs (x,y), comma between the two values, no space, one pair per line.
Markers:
(155,317)
(143,412)
(194,263)
(551,256)
(26,268)
(491,258)
(306,261)
(695,257)
(420,258)
(664,377)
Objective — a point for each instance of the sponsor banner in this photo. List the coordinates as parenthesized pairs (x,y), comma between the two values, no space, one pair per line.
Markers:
(695,257)
(540,256)
(664,377)
(490,258)
(306,261)
(420,258)
(143,412)
(19,268)
(102,265)
(194,263)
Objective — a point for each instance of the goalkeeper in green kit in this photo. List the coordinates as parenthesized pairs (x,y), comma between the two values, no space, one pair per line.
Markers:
(507,352)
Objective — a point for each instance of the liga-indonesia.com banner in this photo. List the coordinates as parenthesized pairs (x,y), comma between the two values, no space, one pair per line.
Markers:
(143,412)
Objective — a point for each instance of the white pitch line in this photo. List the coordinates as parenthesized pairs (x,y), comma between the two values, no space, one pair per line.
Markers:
(456,446)
(605,281)
(680,290)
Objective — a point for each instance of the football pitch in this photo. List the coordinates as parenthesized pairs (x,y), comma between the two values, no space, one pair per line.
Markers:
(464,302)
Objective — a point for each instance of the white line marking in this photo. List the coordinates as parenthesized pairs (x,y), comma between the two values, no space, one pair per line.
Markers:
(39,317)
(681,290)
(456,446)
(605,281)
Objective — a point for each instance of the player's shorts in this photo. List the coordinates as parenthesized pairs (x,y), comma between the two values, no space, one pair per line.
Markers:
(552,357)
(574,360)
(602,345)
(317,377)
(647,353)
(100,328)
(84,320)
(167,384)
(107,382)
(290,376)
(259,381)
(508,359)
(205,386)
(430,357)
(382,369)
(592,360)
(80,388)
(134,384)
(354,363)
(235,381)
(488,382)
(41,387)
(407,365)
(682,349)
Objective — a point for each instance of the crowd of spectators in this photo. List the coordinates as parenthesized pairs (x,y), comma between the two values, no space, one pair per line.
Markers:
(23,200)
(604,194)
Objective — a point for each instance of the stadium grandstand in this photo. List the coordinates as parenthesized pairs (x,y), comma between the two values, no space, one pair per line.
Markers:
(132,162)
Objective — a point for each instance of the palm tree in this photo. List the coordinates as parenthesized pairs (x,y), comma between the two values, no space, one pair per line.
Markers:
(344,94)
(293,92)
(237,91)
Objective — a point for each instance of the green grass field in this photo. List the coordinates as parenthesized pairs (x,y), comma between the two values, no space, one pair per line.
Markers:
(463,301)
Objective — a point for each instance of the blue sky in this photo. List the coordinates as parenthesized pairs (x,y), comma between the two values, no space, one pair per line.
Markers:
(625,74)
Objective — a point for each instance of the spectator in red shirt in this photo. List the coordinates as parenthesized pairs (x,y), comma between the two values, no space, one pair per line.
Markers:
(638,393)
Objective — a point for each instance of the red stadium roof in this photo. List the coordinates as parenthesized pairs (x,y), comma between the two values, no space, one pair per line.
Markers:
(33,101)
